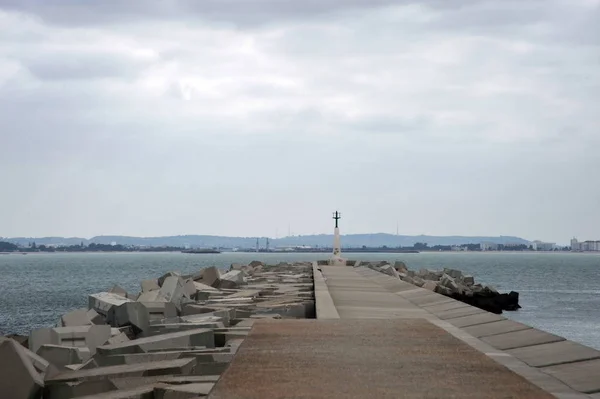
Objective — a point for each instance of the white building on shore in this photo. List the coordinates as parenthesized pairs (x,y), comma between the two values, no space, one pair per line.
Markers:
(488,246)
(586,246)
(543,246)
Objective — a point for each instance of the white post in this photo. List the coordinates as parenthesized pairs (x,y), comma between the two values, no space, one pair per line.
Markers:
(336,258)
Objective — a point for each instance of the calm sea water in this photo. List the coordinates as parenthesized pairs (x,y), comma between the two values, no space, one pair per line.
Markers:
(560,293)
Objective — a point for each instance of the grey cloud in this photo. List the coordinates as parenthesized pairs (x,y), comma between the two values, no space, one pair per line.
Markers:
(76,66)
(238,12)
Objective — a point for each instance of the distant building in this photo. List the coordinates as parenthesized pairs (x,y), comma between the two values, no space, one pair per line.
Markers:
(591,246)
(488,246)
(510,245)
(575,244)
(543,246)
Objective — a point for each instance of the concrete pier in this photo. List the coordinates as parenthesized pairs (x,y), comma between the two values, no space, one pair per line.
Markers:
(377,336)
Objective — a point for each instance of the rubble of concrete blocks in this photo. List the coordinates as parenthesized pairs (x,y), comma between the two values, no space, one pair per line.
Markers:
(173,339)
(452,283)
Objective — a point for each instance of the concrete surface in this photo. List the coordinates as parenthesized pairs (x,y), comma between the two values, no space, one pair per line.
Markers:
(554,353)
(360,293)
(582,376)
(475,319)
(520,339)
(494,328)
(325,308)
(20,380)
(197,337)
(364,359)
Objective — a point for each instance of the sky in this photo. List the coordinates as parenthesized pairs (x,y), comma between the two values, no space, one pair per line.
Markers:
(261,117)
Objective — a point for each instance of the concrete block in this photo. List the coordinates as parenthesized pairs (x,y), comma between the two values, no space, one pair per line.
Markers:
(189,287)
(116,339)
(166,367)
(60,356)
(497,327)
(468,280)
(184,391)
(161,279)
(430,285)
(119,291)
(173,290)
(80,390)
(160,310)
(77,317)
(79,336)
(232,279)
(581,376)
(95,317)
(133,297)
(20,380)
(133,314)
(150,285)
(555,353)
(159,329)
(520,339)
(103,301)
(140,392)
(210,275)
(151,296)
(197,337)
(204,287)
(40,337)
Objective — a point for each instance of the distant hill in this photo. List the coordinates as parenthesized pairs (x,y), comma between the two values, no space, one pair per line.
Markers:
(207,241)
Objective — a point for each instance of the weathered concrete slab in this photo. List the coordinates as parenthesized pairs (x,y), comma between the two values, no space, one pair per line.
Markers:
(18,378)
(39,363)
(498,327)
(474,319)
(133,314)
(142,392)
(116,289)
(210,276)
(160,310)
(364,359)
(555,353)
(150,285)
(103,301)
(77,317)
(460,312)
(182,339)
(520,339)
(173,289)
(167,367)
(132,382)
(431,299)
(444,307)
(60,356)
(183,391)
(89,336)
(582,376)
(78,389)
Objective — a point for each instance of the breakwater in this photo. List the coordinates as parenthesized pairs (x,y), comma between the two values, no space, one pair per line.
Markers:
(451,283)
(171,340)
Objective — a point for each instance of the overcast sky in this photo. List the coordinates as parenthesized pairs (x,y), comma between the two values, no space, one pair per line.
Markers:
(244,117)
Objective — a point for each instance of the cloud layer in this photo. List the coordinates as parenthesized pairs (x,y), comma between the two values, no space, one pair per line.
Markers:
(239,117)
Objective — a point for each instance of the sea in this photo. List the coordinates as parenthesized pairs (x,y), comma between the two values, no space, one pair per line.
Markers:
(559,292)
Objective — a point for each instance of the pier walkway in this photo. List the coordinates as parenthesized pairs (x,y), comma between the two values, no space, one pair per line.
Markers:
(376,336)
